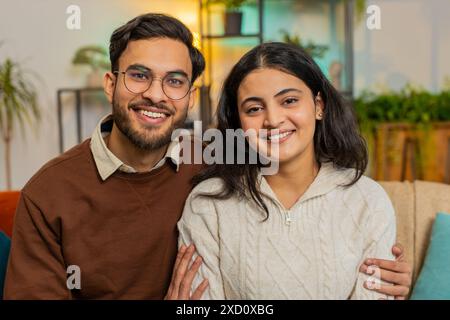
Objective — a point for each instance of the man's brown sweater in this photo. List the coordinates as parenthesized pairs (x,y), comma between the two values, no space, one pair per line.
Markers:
(120,232)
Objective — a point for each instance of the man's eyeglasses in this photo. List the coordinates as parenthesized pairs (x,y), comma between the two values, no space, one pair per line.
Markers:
(174,85)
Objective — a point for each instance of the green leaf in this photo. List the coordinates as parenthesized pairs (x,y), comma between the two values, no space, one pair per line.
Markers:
(94,56)
(411,104)
(18,99)
(314,50)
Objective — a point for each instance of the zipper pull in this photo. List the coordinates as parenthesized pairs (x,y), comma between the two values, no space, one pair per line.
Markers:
(288,217)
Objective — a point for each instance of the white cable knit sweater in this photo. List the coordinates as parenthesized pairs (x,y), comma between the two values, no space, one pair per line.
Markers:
(312,251)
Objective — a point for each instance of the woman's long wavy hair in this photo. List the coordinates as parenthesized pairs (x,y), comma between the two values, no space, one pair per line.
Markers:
(336,137)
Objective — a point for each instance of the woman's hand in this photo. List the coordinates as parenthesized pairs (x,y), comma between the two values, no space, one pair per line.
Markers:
(183,275)
(398,272)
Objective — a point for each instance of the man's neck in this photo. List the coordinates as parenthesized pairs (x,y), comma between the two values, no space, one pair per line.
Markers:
(139,159)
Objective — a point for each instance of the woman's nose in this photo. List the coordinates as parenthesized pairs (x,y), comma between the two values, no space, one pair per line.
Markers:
(274,117)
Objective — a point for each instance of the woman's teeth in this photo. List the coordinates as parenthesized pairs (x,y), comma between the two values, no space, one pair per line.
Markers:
(152,114)
(276,137)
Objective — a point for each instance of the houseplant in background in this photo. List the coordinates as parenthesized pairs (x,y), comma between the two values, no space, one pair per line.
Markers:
(316,51)
(97,59)
(18,104)
(233,15)
(408,133)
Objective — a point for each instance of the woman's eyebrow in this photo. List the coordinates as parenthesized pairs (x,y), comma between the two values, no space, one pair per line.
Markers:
(286,91)
(258,99)
(251,99)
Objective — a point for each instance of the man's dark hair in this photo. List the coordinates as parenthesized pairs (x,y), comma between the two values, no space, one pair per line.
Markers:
(154,25)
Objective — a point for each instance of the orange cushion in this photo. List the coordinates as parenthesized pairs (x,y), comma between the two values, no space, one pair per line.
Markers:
(8,204)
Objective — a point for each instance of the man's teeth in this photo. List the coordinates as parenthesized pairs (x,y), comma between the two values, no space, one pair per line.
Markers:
(152,114)
(276,137)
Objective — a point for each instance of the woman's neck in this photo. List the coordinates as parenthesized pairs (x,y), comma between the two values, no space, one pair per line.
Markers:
(139,159)
(294,178)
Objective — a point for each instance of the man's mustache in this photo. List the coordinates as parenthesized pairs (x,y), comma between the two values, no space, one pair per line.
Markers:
(149,103)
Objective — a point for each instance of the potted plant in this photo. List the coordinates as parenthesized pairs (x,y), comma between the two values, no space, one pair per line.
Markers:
(18,104)
(96,58)
(314,50)
(233,15)
(408,133)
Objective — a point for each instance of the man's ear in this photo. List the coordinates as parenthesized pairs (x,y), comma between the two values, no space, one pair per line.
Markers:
(109,82)
(192,97)
(319,107)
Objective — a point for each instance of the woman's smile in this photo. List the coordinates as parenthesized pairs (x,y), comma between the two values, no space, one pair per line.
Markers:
(280,136)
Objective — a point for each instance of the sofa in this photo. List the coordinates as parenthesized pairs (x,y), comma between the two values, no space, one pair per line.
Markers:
(416,204)
(8,204)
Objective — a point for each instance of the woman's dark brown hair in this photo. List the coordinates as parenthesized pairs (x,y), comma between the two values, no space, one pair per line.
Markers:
(336,138)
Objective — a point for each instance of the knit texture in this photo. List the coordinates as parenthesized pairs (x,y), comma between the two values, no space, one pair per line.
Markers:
(315,255)
(121,232)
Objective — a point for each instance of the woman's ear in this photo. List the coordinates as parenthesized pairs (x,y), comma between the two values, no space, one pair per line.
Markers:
(319,107)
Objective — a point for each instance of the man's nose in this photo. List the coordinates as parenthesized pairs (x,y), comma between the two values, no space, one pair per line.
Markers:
(155,92)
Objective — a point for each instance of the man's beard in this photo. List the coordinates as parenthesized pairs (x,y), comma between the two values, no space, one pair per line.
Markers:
(147,140)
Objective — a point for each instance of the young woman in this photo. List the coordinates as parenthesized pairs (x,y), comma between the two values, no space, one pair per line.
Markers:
(303,232)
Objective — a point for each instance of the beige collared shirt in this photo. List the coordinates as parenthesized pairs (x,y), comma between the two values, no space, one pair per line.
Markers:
(107,162)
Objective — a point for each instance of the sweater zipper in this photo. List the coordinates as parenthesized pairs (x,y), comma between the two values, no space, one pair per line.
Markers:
(287,214)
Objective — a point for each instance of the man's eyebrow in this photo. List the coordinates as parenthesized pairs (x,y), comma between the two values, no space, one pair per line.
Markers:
(178,71)
(138,66)
(286,91)
(141,67)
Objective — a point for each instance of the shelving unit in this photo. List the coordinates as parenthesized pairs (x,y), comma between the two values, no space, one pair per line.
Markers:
(206,46)
(210,39)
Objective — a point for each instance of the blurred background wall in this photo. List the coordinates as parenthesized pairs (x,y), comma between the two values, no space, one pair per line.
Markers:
(412,46)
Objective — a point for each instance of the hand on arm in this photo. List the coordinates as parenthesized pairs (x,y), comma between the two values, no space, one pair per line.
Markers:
(199,226)
(183,276)
(398,273)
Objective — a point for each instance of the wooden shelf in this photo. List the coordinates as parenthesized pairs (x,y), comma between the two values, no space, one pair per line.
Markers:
(208,40)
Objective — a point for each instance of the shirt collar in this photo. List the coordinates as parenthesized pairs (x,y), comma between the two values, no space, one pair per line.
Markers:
(107,162)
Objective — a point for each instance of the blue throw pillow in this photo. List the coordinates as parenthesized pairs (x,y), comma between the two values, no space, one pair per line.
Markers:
(434,279)
(5,244)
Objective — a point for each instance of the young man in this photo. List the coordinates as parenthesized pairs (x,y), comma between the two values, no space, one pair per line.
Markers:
(106,210)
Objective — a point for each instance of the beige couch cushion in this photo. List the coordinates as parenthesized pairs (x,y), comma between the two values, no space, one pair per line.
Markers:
(416,205)
(431,198)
